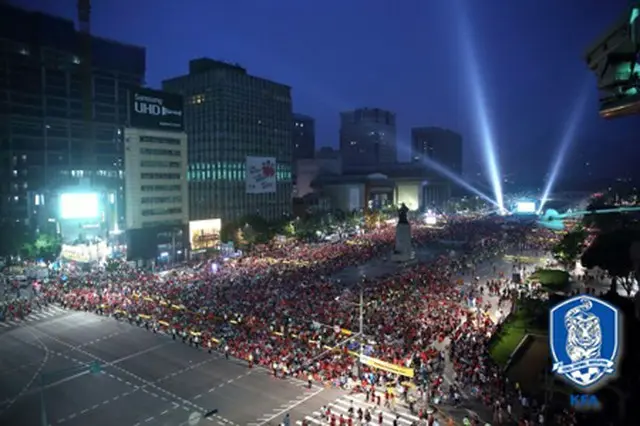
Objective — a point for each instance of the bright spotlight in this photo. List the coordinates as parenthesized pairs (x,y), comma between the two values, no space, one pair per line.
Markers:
(457,179)
(565,143)
(481,113)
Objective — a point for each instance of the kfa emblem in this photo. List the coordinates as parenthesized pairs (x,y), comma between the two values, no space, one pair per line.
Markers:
(584,340)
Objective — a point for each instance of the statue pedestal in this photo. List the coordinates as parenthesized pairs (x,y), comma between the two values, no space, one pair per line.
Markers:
(403,251)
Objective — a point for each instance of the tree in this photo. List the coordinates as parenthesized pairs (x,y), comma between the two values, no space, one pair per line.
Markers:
(45,245)
(604,222)
(288,229)
(239,239)
(611,252)
(228,232)
(570,247)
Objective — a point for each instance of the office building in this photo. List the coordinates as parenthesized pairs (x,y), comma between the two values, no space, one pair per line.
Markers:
(155,183)
(156,190)
(44,137)
(237,124)
(304,137)
(368,138)
(437,144)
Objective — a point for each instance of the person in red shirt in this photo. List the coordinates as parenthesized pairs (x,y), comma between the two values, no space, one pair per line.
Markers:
(333,420)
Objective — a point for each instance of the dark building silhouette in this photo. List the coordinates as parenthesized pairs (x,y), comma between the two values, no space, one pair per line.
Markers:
(437,144)
(304,137)
(368,138)
(43,134)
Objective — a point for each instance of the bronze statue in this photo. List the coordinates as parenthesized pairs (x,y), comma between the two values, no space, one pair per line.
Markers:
(402,213)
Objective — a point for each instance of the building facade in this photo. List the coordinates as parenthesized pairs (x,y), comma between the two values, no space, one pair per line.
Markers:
(156,190)
(43,134)
(155,184)
(304,137)
(230,116)
(437,144)
(368,138)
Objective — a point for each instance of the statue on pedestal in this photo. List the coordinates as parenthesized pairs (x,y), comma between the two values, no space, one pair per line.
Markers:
(403,249)
(402,213)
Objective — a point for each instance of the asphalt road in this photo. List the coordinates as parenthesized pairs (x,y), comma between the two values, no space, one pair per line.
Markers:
(146,379)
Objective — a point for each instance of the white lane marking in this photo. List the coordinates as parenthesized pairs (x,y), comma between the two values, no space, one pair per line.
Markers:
(279,413)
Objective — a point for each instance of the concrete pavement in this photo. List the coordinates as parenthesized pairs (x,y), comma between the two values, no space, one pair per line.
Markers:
(146,379)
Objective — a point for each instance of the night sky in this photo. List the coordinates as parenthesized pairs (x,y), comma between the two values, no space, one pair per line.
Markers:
(403,55)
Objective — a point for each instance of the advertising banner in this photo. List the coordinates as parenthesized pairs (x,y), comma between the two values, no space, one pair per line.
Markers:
(386,366)
(153,109)
(261,175)
(84,253)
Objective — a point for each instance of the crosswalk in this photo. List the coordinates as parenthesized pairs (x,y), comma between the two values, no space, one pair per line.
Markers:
(50,311)
(341,407)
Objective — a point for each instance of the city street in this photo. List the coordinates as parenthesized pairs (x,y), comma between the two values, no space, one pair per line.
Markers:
(148,379)
(145,379)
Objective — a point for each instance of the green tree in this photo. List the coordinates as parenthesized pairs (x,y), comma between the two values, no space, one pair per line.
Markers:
(570,247)
(612,252)
(288,229)
(46,245)
(239,239)
(228,232)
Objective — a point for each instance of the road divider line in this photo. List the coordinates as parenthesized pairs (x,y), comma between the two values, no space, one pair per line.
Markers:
(290,407)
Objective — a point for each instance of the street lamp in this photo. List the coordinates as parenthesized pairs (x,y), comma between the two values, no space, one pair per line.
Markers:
(361,305)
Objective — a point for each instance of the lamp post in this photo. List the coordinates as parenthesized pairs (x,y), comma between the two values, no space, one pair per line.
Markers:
(361,305)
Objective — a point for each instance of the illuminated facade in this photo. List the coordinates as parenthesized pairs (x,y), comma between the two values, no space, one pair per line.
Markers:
(156,191)
(368,138)
(42,129)
(230,115)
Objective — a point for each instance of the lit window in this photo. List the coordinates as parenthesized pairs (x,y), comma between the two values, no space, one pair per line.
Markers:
(15,173)
(76,60)
(24,157)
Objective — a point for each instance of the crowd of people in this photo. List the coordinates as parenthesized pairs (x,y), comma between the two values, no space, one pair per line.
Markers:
(280,308)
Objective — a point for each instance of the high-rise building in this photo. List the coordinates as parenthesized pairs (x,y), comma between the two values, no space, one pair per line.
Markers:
(304,137)
(155,180)
(367,138)
(440,145)
(43,135)
(237,125)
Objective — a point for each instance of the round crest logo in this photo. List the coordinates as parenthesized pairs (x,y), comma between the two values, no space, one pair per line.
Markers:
(584,338)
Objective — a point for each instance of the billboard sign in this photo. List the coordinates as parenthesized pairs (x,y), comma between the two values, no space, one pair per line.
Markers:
(261,175)
(153,109)
(79,206)
(204,234)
